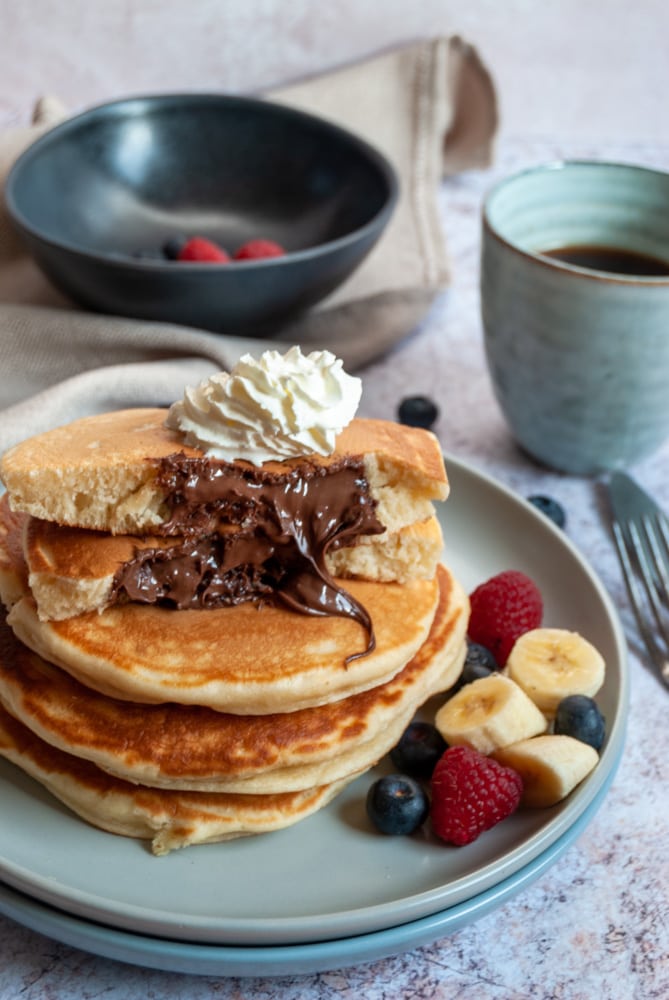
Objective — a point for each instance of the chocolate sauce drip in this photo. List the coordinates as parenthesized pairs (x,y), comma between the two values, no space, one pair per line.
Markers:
(249,533)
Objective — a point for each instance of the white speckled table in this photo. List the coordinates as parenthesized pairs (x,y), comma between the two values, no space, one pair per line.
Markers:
(597,923)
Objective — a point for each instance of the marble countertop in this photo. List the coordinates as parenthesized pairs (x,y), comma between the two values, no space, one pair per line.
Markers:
(597,923)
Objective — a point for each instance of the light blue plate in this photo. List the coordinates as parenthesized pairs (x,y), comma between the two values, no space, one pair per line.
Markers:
(282,960)
(332,876)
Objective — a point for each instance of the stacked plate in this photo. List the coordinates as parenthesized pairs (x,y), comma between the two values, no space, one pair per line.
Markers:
(329,891)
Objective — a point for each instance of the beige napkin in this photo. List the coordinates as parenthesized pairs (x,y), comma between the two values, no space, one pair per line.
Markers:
(429,106)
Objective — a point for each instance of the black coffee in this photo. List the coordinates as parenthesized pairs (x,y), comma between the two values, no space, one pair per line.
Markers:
(613,259)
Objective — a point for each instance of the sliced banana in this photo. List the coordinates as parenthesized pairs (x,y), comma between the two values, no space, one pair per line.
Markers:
(551,663)
(551,766)
(490,712)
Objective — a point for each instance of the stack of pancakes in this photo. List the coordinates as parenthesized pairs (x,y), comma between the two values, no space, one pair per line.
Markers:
(198,649)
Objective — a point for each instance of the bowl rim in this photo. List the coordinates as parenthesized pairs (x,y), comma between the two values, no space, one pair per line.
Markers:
(379,161)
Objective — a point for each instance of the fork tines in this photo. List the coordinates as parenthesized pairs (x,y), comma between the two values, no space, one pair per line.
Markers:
(643,550)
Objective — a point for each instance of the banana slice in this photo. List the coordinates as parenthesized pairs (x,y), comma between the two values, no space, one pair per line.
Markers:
(551,663)
(490,712)
(551,766)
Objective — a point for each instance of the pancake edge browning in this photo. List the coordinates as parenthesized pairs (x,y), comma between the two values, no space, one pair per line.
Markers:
(176,746)
(246,660)
(168,819)
(312,651)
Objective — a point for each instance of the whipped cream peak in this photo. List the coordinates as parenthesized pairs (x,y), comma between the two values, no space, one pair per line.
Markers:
(270,408)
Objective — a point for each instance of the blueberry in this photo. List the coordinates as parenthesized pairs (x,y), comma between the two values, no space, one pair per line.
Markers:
(418,411)
(397,804)
(579,716)
(550,507)
(172,247)
(418,750)
(480,658)
(479,662)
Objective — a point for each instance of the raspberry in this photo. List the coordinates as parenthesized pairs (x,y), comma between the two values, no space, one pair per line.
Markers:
(257,249)
(470,794)
(502,609)
(197,248)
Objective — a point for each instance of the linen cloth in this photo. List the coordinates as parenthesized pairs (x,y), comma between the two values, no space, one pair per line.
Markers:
(430,106)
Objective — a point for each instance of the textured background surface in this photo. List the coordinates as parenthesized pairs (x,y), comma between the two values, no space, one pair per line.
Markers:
(570,67)
(575,79)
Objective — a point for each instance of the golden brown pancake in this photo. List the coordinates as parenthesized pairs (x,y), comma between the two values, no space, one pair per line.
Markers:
(246,660)
(177,746)
(74,570)
(100,472)
(13,567)
(169,819)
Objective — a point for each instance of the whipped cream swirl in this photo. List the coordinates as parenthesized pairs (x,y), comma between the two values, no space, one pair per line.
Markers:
(269,408)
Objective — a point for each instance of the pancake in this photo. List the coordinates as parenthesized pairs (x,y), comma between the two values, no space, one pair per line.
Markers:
(249,659)
(13,566)
(101,472)
(239,532)
(75,570)
(176,746)
(168,819)
(246,660)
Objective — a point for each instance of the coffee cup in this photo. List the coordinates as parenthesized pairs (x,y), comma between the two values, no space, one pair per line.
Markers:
(575,310)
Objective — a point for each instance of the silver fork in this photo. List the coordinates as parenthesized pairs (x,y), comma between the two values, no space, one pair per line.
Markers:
(641,536)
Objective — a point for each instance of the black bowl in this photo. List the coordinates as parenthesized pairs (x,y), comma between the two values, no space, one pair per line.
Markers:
(98,196)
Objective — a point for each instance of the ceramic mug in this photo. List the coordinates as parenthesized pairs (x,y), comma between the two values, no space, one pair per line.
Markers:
(578,346)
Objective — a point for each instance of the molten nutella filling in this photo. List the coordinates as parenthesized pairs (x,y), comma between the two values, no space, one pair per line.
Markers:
(247,533)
